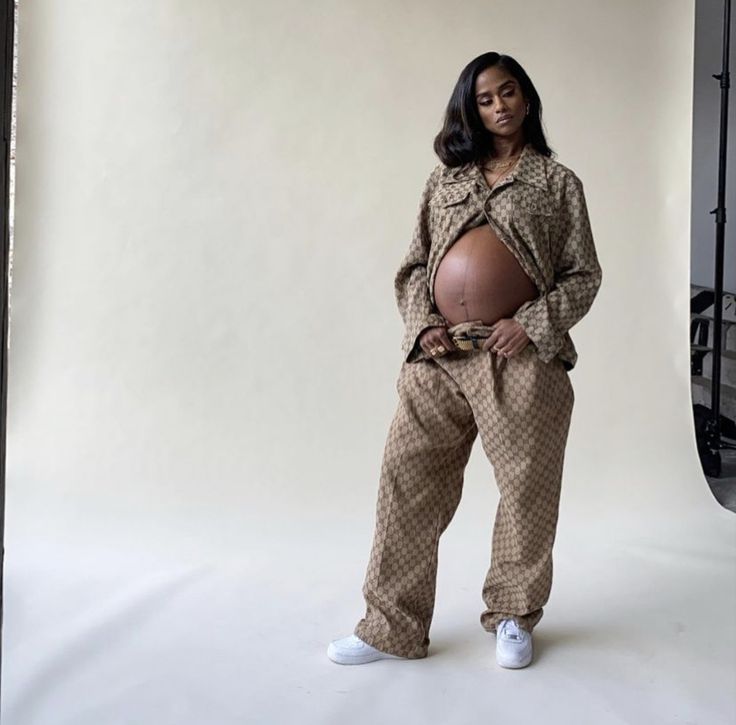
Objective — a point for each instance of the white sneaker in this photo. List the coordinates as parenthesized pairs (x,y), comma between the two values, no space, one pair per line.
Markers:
(352,650)
(513,645)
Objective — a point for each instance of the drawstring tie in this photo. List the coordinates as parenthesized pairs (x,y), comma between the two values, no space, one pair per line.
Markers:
(496,362)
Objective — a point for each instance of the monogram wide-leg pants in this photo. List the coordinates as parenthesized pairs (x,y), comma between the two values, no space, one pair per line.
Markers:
(521,407)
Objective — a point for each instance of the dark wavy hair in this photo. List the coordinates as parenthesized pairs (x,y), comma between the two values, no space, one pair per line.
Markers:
(463,137)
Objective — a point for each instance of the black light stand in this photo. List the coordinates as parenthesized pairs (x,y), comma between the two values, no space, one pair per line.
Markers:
(711,442)
(7,31)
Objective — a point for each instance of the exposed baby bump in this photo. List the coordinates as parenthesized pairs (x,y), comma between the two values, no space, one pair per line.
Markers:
(480,279)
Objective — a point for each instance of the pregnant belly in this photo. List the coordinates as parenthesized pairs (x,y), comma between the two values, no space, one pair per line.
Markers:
(480,279)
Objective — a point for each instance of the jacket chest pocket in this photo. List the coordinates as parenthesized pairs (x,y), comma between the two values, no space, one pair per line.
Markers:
(447,207)
(533,216)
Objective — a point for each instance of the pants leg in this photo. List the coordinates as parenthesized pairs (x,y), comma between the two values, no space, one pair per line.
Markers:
(426,452)
(523,409)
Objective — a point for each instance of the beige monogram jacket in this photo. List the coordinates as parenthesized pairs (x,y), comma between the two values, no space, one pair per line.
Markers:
(539,211)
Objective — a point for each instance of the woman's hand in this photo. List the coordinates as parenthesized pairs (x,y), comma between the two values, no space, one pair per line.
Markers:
(508,338)
(437,339)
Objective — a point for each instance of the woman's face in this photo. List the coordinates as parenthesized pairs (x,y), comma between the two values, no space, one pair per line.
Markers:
(498,96)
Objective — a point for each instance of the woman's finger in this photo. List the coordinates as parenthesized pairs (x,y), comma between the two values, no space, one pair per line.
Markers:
(447,340)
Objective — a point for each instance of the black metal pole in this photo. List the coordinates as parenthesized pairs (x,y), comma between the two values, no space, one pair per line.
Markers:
(713,426)
(7,33)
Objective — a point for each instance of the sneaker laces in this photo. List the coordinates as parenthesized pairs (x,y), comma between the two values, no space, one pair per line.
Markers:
(511,630)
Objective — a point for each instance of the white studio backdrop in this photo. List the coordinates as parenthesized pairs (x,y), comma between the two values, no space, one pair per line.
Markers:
(211,202)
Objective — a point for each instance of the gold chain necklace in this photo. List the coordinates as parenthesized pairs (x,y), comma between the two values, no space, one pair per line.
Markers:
(500,168)
(502,164)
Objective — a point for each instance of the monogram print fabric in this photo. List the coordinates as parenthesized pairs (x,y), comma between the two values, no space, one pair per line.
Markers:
(539,211)
(521,407)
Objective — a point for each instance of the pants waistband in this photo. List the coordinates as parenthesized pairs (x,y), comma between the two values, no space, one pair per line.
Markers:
(469,335)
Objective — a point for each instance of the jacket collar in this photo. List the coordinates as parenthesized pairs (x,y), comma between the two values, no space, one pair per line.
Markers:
(531,168)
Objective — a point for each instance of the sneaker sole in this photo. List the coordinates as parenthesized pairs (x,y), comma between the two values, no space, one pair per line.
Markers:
(341,659)
(514,664)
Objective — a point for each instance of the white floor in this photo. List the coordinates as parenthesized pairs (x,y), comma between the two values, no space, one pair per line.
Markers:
(639,629)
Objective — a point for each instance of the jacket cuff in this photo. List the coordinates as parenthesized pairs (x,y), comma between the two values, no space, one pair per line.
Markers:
(535,318)
(412,349)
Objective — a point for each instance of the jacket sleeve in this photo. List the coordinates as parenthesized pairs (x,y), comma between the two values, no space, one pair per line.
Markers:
(578,276)
(411,284)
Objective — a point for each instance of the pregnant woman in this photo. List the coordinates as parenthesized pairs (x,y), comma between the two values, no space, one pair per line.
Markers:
(501,265)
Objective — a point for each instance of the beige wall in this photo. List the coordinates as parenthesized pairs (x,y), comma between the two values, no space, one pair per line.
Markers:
(212,203)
